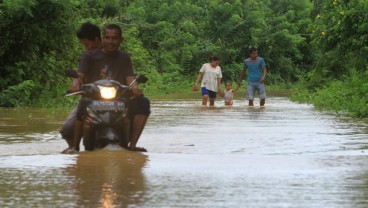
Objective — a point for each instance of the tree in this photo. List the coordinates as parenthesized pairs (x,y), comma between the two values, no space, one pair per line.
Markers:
(36,42)
(286,37)
(340,38)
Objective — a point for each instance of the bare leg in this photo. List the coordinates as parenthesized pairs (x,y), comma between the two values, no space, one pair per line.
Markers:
(67,130)
(78,133)
(138,123)
(263,101)
(75,140)
(251,103)
(212,101)
(70,142)
(204,100)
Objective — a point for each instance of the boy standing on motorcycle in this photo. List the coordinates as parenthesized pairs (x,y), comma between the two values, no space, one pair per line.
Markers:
(116,64)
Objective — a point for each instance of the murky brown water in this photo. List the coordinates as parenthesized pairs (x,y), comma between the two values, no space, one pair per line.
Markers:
(283,155)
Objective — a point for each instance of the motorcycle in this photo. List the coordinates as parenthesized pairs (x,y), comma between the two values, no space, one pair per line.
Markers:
(106,121)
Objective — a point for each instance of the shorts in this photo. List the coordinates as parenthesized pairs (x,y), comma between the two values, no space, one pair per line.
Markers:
(138,106)
(210,93)
(253,87)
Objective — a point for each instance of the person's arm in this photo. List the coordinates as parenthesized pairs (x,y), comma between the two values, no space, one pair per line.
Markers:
(219,85)
(135,89)
(221,94)
(219,80)
(129,73)
(236,89)
(242,74)
(129,80)
(200,75)
(264,72)
(77,82)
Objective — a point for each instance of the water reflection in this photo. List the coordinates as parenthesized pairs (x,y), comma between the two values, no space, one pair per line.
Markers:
(108,178)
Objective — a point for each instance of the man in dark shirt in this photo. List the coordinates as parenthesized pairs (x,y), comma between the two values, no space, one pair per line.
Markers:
(110,62)
(98,64)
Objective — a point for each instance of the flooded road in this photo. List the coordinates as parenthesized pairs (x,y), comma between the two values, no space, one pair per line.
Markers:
(283,155)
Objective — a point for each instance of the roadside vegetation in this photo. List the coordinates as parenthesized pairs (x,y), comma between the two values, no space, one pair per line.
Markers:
(316,48)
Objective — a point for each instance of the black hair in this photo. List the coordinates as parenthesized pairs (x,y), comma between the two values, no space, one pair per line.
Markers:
(252,49)
(229,83)
(89,31)
(115,27)
(214,58)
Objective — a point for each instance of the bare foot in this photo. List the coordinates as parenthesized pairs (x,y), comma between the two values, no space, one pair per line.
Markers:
(138,149)
(69,150)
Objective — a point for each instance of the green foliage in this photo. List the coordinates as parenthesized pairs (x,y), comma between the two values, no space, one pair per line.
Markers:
(19,95)
(51,96)
(340,37)
(38,42)
(339,76)
(168,40)
(181,35)
(140,56)
(286,37)
(165,83)
(348,96)
(37,45)
(314,42)
(167,31)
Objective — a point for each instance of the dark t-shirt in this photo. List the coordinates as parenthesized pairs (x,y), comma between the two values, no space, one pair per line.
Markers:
(96,65)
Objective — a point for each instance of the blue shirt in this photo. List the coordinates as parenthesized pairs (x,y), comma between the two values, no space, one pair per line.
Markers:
(254,68)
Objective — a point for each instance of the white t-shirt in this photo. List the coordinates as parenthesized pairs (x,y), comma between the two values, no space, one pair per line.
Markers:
(210,76)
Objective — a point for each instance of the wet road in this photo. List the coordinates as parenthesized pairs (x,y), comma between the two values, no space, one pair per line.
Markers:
(283,155)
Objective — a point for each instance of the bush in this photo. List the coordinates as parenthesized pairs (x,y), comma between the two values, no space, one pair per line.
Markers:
(19,95)
(349,96)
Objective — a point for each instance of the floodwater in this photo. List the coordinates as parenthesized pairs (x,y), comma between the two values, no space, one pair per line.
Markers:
(283,155)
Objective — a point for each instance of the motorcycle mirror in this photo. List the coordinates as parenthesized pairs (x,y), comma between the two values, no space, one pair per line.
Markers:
(142,79)
(71,73)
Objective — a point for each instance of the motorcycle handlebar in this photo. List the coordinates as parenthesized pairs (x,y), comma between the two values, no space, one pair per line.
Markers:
(74,74)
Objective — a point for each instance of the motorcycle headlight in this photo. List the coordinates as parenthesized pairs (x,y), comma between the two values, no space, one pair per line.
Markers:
(107,92)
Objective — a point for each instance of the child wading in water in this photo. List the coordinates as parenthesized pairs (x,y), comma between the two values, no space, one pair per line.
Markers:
(228,93)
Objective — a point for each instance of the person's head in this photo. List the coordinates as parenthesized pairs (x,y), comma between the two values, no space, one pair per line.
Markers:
(112,38)
(228,85)
(89,35)
(253,52)
(214,61)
